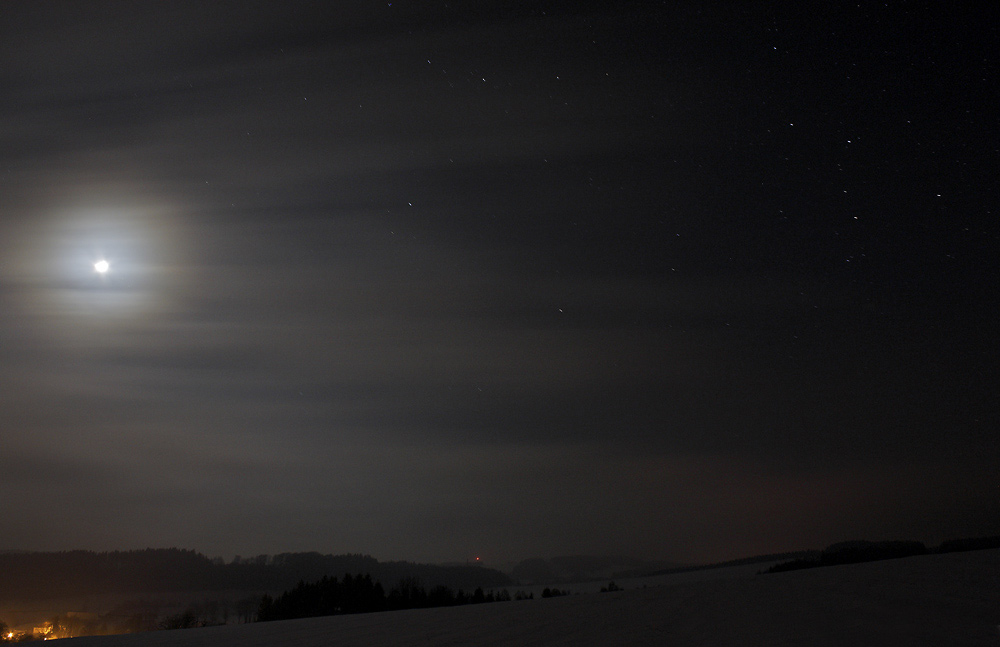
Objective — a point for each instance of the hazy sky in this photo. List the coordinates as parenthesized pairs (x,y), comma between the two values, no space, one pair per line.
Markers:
(430,280)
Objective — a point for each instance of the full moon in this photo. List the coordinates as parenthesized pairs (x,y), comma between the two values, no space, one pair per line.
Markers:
(102,266)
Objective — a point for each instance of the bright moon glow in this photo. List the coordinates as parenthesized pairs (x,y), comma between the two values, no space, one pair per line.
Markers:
(101,267)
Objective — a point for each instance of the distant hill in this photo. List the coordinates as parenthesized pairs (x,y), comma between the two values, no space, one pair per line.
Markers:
(857,551)
(582,568)
(39,576)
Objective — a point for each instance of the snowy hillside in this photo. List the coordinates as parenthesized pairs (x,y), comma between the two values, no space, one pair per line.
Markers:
(951,599)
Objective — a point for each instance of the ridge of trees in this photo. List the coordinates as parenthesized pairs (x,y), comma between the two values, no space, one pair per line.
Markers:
(361,594)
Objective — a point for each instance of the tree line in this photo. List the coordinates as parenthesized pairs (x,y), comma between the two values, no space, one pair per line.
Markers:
(361,594)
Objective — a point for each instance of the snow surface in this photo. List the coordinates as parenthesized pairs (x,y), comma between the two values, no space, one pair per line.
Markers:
(951,599)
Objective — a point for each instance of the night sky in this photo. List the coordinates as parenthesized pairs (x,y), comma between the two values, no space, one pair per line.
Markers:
(432,280)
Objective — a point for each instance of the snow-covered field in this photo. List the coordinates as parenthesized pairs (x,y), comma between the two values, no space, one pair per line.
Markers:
(951,599)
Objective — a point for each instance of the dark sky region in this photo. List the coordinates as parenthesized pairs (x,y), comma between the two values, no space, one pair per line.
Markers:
(431,280)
